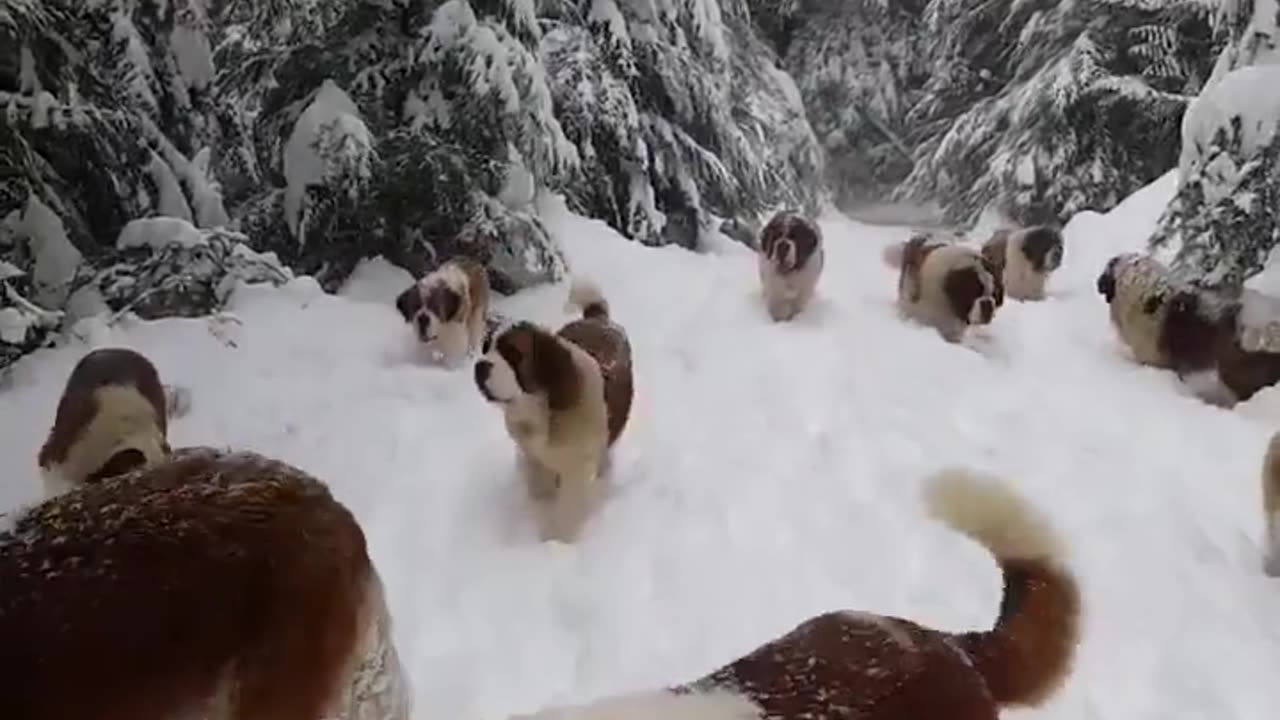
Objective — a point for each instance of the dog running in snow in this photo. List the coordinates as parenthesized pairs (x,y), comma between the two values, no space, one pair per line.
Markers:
(944,284)
(112,417)
(1024,259)
(876,667)
(448,309)
(565,399)
(790,258)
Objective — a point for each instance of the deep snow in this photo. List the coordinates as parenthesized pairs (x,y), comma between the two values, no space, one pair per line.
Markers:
(770,471)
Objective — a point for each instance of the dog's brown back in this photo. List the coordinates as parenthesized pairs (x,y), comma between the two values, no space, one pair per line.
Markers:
(477,283)
(213,575)
(608,345)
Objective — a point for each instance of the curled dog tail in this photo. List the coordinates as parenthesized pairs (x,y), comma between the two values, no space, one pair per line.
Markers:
(587,296)
(1029,652)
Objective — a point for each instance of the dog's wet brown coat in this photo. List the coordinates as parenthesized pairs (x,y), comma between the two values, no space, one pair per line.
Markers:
(133,599)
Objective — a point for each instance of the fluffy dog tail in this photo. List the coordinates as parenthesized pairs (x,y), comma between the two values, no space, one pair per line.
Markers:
(893,254)
(1029,653)
(1271,506)
(587,296)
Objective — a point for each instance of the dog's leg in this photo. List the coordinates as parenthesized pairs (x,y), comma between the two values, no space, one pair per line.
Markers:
(572,503)
(540,481)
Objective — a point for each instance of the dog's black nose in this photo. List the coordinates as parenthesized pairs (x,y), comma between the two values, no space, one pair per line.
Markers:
(424,324)
(482,370)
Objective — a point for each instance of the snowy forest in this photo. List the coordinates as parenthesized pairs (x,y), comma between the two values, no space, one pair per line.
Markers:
(155,152)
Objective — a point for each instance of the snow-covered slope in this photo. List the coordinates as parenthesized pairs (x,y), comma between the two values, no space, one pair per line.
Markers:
(770,472)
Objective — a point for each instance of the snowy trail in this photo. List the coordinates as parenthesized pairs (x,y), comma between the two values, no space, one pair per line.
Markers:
(769,472)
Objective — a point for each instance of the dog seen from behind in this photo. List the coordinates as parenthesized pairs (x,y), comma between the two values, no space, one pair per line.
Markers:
(112,417)
(1024,259)
(212,584)
(565,398)
(945,285)
(448,309)
(790,257)
(875,667)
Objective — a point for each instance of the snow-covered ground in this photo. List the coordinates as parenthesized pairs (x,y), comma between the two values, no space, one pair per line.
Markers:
(770,471)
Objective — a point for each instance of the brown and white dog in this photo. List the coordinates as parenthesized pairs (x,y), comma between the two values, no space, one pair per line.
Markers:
(790,259)
(565,399)
(945,285)
(874,667)
(448,309)
(1271,507)
(112,417)
(1024,259)
(1197,334)
(215,584)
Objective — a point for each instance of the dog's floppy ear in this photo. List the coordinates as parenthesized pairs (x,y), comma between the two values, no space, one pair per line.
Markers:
(409,302)
(1107,281)
(119,464)
(553,365)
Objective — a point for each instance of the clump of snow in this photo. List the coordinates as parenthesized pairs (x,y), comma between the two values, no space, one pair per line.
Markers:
(1247,96)
(191,48)
(752,489)
(172,202)
(56,259)
(158,233)
(206,193)
(375,280)
(332,118)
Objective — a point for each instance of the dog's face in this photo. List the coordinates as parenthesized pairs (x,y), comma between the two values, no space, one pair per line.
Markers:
(429,304)
(1043,247)
(525,360)
(973,292)
(1107,278)
(789,241)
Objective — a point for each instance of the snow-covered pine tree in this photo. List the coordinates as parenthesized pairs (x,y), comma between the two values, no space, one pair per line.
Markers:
(106,119)
(442,111)
(860,67)
(680,115)
(1044,109)
(1222,225)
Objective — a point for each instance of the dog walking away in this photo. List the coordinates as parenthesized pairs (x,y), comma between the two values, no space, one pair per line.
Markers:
(565,398)
(112,417)
(790,259)
(844,665)
(212,585)
(448,308)
(944,285)
(1024,259)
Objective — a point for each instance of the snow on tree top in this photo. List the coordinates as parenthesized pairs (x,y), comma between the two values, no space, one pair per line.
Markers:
(1251,94)
(159,232)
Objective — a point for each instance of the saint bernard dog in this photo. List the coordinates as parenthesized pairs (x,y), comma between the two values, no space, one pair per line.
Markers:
(1024,259)
(875,667)
(448,309)
(1210,341)
(212,584)
(565,399)
(112,417)
(1271,507)
(944,284)
(790,259)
